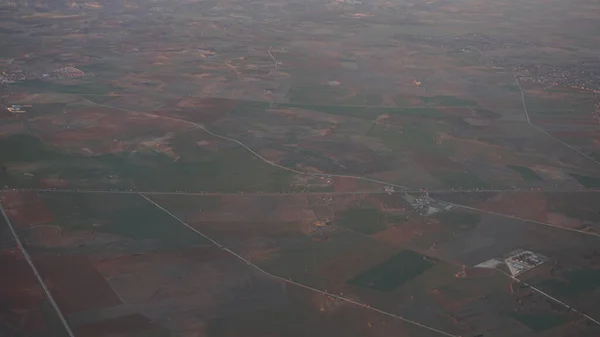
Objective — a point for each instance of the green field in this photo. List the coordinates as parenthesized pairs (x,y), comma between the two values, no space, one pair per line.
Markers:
(373,99)
(394,272)
(100,99)
(446,100)
(299,155)
(366,220)
(100,68)
(225,171)
(25,148)
(78,89)
(348,111)
(525,172)
(304,258)
(250,108)
(367,113)
(573,104)
(586,181)
(413,137)
(539,322)
(575,205)
(127,216)
(459,220)
(577,281)
(228,170)
(459,179)
(322,94)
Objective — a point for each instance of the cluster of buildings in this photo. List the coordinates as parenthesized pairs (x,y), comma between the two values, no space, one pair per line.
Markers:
(578,77)
(517,262)
(523,260)
(15,76)
(17,108)
(475,41)
(426,205)
(66,72)
(8,77)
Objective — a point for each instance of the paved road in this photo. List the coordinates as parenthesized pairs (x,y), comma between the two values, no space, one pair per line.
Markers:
(326,175)
(339,297)
(431,191)
(36,273)
(403,188)
(550,297)
(544,131)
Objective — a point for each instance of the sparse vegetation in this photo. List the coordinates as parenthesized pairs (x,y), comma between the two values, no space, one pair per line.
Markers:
(459,220)
(460,179)
(586,181)
(363,220)
(525,172)
(77,89)
(576,281)
(539,322)
(445,100)
(394,272)
(345,130)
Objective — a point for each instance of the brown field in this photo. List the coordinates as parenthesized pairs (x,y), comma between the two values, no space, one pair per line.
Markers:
(24,308)
(76,284)
(344,184)
(492,98)
(122,326)
(15,203)
(164,285)
(21,295)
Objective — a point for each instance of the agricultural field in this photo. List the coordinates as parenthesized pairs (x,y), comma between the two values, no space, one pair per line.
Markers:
(32,313)
(569,210)
(282,168)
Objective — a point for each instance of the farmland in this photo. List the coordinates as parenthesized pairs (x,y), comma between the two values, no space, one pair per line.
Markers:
(387,276)
(316,168)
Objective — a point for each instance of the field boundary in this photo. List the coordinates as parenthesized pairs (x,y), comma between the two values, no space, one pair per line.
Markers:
(250,264)
(459,265)
(544,131)
(325,193)
(36,273)
(549,296)
(403,188)
(208,193)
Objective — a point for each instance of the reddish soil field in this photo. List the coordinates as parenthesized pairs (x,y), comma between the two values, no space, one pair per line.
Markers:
(434,162)
(525,205)
(201,110)
(109,125)
(120,265)
(5,114)
(76,284)
(130,325)
(344,184)
(26,209)
(20,295)
(53,183)
(401,234)
(67,136)
(391,202)
(575,134)
(456,111)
